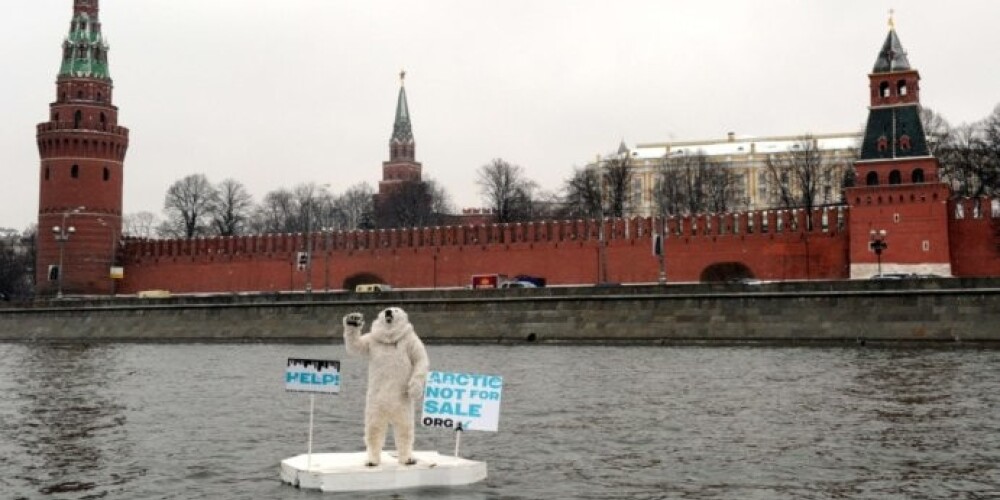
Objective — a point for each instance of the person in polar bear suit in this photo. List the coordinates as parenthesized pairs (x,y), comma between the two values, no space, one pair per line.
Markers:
(397,368)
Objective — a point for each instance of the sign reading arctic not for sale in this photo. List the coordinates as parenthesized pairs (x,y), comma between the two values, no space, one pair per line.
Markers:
(467,399)
(312,375)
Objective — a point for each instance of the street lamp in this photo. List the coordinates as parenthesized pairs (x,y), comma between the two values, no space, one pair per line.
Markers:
(877,244)
(62,233)
(111,256)
(327,231)
(309,264)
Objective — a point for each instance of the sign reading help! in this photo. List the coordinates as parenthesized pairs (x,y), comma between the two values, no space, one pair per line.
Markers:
(312,375)
(466,399)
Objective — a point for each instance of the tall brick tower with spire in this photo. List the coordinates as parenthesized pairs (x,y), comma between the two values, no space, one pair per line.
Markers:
(82,151)
(401,191)
(899,206)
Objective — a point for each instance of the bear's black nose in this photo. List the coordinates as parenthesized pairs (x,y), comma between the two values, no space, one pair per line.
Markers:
(388,316)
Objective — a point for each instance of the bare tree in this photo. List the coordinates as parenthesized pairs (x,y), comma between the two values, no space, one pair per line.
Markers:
(231,208)
(188,207)
(408,204)
(937,130)
(277,213)
(140,225)
(691,183)
(582,194)
(351,207)
(441,205)
(506,190)
(17,258)
(796,177)
(723,190)
(312,204)
(970,160)
(617,179)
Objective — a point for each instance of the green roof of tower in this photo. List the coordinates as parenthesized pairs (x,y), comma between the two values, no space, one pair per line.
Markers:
(402,131)
(892,57)
(85,52)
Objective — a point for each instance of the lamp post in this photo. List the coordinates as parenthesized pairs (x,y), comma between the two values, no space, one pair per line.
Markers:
(62,233)
(309,264)
(327,231)
(878,245)
(112,254)
(602,263)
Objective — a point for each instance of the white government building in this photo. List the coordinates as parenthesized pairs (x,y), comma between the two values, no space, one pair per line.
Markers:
(747,156)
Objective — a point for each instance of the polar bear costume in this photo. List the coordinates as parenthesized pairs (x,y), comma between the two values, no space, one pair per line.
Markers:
(397,368)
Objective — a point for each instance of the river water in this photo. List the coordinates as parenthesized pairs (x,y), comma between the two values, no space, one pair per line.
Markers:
(127,421)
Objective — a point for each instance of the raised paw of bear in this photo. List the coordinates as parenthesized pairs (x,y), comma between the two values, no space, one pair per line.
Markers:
(355,319)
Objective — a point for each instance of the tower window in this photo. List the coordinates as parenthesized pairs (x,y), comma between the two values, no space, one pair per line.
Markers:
(882,144)
(904,142)
(107,173)
(74,171)
(46,173)
(883,89)
(895,177)
(901,88)
(871,179)
(918,175)
(77,118)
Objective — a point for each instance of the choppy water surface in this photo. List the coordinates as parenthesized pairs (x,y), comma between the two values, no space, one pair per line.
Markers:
(213,421)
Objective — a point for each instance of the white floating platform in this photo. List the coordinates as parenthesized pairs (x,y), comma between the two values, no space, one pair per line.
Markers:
(348,472)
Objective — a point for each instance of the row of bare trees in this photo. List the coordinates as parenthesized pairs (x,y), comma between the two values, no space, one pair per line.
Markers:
(17,262)
(193,207)
(804,177)
(969,153)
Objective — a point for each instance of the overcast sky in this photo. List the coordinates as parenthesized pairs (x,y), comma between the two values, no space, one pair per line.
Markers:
(275,93)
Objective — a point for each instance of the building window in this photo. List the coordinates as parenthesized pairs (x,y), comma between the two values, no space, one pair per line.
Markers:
(882,144)
(918,176)
(901,88)
(46,173)
(871,179)
(74,171)
(895,177)
(77,118)
(107,174)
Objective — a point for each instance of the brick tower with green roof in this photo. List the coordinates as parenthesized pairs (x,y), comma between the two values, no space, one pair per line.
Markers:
(401,175)
(898,198)
(82,150)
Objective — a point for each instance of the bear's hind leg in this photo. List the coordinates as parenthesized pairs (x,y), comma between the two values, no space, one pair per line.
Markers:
(402,434)
(375,437)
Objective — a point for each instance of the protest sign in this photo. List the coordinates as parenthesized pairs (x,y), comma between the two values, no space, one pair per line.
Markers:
(471,401)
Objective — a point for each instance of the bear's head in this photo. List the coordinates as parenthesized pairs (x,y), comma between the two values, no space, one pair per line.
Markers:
(391,325)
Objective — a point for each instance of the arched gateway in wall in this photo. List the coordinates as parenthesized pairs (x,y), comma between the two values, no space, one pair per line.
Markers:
(726,272)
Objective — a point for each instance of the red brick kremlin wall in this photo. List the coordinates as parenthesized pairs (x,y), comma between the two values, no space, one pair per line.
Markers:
(774,245)
(974,236)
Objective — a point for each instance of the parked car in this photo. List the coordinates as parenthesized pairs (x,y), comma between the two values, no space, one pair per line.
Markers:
(535,280)
(891,276)
(518,284)
(372,288)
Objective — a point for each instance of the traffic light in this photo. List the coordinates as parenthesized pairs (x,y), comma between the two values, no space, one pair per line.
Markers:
(302,259)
